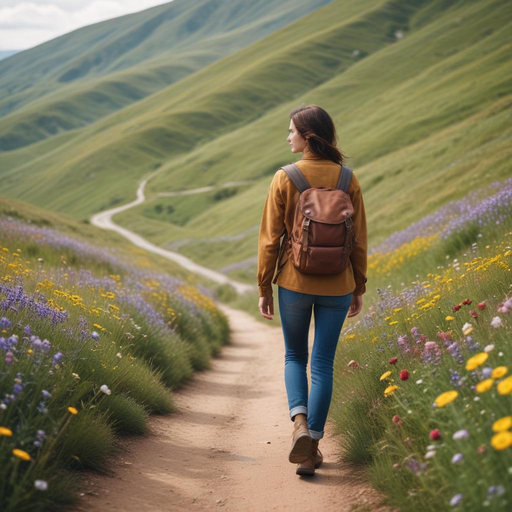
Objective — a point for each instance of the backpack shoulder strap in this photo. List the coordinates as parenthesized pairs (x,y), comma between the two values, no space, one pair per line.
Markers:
(345,178)
(299,180)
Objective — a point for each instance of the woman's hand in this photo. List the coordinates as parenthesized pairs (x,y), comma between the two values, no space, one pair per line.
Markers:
(266,307)
(356,305)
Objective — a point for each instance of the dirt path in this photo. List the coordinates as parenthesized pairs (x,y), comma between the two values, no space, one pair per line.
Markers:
(227,446)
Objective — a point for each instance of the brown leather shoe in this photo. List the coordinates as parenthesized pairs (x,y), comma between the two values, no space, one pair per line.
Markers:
(301,440)
(314,460)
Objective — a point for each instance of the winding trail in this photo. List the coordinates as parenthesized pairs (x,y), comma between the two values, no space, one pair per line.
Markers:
(227,445)
(104,220)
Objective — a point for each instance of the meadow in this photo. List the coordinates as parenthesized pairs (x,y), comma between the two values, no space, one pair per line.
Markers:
(91,344)
(423,381)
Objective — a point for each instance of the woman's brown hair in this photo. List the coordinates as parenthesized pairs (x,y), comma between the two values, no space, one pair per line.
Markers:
(317,126)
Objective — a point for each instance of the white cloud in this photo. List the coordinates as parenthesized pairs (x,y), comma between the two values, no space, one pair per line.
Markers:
(27,24)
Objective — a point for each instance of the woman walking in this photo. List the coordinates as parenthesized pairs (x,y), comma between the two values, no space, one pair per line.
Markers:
(306,284)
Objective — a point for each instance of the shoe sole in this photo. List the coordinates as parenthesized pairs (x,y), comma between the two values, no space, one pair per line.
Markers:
(300,449)
(305,471)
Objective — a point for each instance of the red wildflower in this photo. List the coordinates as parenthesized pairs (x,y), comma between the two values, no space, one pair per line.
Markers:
(482,305)
(474,314)
(456,308)
(435,435)
(393,360)
(404,375)
(466,302)
(353,364)
(397,420)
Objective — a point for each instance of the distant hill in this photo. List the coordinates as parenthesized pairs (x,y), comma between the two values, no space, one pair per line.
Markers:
(7,53)
(420,92)
(82,76)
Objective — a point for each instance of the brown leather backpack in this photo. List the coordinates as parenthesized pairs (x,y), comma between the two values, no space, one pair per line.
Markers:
(322,235)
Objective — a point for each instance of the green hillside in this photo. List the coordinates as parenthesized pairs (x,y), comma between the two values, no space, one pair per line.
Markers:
(82,76)
(424,118)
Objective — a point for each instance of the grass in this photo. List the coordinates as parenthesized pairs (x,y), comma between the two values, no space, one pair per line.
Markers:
(93,341)
(390,435)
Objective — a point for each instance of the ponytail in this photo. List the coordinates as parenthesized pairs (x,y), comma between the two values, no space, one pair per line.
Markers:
(316,125)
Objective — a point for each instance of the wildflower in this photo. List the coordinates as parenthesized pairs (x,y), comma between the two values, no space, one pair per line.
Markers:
(505,386)
(466,302)
(456,500)
(397,420)
(496,322)
(56,358)
(105,389)
(499,372)
(489,348)
(4,431)
(457,458)
(416,466)
(385,375)
(23,455)
(430,454)
(484,385)
(486,372)
(467,329)
(502,424)
(476,361)
(449,318)
(474,314)
(501,440)
(404,375)
(95,336)
(393,360)
(72,410)
(456,308)
(419,381)
(435,434)
(40,485)
(390,390)
(460,434)
(481,306)
(352,364)
(495,490)
(446,398)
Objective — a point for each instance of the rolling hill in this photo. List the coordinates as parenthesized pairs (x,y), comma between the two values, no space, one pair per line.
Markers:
(420,92)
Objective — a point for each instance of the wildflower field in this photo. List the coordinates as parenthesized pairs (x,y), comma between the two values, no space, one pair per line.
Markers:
(423,382)
(90,345)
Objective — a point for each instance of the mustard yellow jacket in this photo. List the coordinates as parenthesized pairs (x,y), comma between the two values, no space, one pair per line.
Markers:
(278,214)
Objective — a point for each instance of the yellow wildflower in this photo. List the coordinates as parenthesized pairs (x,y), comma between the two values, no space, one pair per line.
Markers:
(393,322)
(21,454)
(385,375)
(499,372)
(72,410)
(375,339)
(484,385)
(4,431)
(450,318)
(390,390)
(446,398)
(501,440)
(476,361)
(505,386)
(502,424)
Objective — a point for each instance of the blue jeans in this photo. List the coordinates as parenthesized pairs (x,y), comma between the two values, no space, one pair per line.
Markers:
(330,313)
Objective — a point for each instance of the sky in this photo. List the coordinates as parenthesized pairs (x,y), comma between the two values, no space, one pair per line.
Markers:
(24,24)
